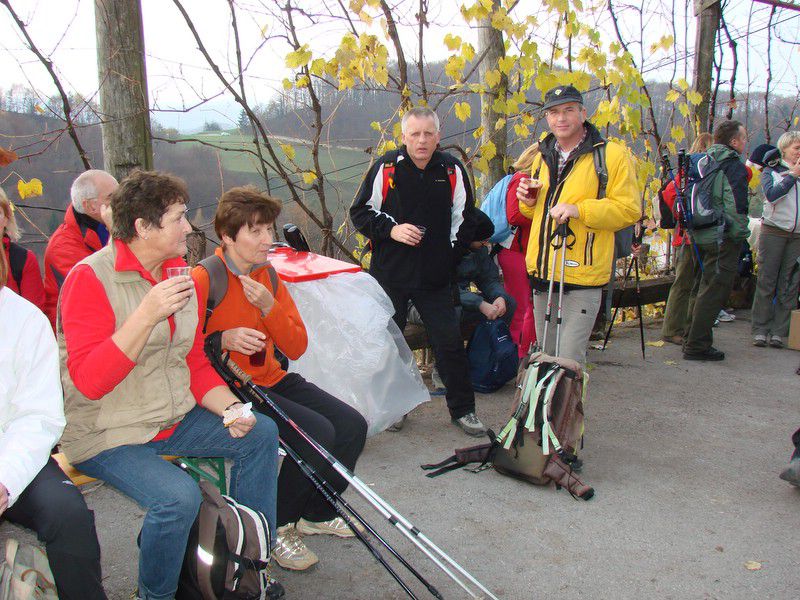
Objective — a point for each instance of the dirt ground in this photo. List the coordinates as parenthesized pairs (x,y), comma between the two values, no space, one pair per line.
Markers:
(684,458)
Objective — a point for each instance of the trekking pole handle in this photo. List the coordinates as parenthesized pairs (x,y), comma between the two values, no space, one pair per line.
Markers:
(241,375)
(563,229)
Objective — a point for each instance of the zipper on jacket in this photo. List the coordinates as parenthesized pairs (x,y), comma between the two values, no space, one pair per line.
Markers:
(587,251)
(545,229)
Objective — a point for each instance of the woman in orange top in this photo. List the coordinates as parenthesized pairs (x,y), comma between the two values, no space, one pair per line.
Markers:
(253,318)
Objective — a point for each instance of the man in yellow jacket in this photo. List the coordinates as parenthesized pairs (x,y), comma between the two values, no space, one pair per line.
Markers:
(564,187)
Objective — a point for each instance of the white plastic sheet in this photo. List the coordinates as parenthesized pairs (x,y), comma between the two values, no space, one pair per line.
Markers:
(355,350)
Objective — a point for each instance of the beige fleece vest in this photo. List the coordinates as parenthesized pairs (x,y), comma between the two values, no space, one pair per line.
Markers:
(154,395)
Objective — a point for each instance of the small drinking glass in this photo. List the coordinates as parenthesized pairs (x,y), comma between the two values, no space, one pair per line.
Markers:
(178,272)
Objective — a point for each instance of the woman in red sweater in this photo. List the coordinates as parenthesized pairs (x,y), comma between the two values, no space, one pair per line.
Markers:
(24,276)
(512,259)
(255,317)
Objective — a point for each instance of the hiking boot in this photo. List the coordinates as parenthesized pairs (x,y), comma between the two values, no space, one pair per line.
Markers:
(725,317)
(397,425)
(792,472)
(274,589)
(290,552)
(776,342)
(470,424)
(673,339)
(335,527)
(760,340)
(711,354)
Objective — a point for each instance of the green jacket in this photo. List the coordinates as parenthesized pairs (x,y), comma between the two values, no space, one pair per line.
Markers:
(731,193)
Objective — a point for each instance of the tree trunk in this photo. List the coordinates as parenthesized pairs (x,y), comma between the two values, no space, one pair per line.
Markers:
(124,103)
(708,13)
(490,40)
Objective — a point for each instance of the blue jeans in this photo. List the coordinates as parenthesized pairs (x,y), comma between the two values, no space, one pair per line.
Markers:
(172,498)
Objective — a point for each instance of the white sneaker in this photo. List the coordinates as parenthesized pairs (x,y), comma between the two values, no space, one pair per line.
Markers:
(290,552)
(470,424)
(725,317)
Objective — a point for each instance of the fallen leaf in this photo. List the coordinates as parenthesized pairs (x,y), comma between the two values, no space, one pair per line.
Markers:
(719,549)
(752,565)
(670,362)
(596,346)
(656,344)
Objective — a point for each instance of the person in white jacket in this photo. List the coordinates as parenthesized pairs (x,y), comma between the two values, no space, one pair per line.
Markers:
(34,492)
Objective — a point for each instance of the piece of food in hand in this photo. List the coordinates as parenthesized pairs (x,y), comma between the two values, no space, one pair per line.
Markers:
(237,411)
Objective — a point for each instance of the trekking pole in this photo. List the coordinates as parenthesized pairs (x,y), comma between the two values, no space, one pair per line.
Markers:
(342,508)
(684,217)
(616,308)
(236,377)
(639,301)
(562,231)
(548,311)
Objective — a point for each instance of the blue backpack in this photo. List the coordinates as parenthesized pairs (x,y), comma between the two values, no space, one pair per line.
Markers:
(492,355)
(494,206)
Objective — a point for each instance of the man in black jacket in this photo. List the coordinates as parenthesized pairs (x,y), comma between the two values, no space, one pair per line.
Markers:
(415,206)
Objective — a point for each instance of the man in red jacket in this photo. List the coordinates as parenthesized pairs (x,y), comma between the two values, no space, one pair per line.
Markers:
(82,233)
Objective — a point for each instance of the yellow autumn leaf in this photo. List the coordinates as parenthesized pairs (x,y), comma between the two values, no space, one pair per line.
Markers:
(672,95)
(656,344)
(289,151)
(463,110)
(683,84)
(29,189)
(694,97)
(453,42)
(752,565)
(677,133)
(309,177)
(492,78)
(683,108)
(375,125)
(298,58)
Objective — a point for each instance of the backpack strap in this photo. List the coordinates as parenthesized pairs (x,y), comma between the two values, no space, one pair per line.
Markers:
(207,535)
(451,175)
(217,284)
(17,257)
(600,167)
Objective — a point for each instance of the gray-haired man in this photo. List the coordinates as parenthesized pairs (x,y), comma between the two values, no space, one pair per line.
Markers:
(415,206)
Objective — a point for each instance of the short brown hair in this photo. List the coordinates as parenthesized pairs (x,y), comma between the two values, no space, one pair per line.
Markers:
(244,205)
(145,195)
(726,131)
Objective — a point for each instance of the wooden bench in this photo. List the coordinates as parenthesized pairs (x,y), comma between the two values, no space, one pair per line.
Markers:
(417,337)
(211,469)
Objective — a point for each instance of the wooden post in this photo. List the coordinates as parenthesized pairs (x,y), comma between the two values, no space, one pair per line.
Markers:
(124,103)
(708,13)
(490,41)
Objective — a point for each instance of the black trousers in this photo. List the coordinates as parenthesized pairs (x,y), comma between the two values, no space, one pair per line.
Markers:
(444,334)
(54,508)
(336,426)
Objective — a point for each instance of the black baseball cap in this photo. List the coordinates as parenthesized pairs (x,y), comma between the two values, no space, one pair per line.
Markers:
(561,95)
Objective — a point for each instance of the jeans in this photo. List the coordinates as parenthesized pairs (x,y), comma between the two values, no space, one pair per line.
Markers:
(336,426)
(54,508)
(172,498)
(444,333)
(713,288)
(778,278)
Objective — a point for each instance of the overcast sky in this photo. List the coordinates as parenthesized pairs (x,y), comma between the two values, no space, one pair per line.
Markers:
(177,74)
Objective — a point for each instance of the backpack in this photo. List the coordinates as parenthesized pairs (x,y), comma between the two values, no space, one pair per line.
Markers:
(494,206)
(25,574)
(227,553)
(540,440)
(493,356)
(702,192)
(218,287)
(667,218)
